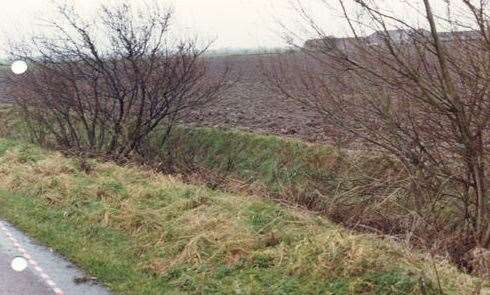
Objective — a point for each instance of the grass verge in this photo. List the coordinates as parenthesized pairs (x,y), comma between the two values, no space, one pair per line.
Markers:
(365,191)
(141,232)
(305,174)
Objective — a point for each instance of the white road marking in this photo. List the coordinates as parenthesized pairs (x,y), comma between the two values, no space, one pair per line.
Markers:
(31,261)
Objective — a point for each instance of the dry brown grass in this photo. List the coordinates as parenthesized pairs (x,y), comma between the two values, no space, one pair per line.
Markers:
(173,226)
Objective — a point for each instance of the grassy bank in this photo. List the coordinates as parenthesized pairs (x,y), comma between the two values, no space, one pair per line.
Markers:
(313,176)
(270,161)
(279,165)
(141,232)
(360,190)
(306,174)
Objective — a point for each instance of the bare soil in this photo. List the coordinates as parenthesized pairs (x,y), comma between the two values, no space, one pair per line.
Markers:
(251,105)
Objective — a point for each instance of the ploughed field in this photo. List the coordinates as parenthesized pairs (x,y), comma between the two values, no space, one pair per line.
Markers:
(251,105)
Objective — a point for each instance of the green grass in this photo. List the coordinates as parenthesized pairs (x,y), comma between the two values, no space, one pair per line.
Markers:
(141,232)
(341,185)
(272,161)
(305,174)
(359,189)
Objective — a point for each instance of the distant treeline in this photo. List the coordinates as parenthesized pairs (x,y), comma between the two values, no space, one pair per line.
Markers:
(248,51)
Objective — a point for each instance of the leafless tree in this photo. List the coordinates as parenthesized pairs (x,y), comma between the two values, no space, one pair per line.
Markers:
(103,86)
(422,95)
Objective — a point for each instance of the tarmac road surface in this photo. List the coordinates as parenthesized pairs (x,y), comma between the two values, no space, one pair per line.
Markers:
(26,282)
(47,273)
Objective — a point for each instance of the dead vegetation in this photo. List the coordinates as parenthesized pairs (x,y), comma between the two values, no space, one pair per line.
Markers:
(419,98)
(422,101)
(189,238)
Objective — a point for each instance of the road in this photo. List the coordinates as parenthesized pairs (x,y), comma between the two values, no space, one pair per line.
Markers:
(26,282)
(47,273)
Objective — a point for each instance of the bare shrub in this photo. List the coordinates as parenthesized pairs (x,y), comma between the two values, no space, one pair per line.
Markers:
(102,87)
(419,95)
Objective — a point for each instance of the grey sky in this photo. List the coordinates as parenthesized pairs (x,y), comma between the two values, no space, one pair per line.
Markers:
(233,23)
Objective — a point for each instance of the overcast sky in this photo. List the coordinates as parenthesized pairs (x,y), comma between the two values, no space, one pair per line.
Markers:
(233,23)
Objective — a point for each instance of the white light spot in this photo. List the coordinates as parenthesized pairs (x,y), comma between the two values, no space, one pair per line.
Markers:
(19,264)
(19,67)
